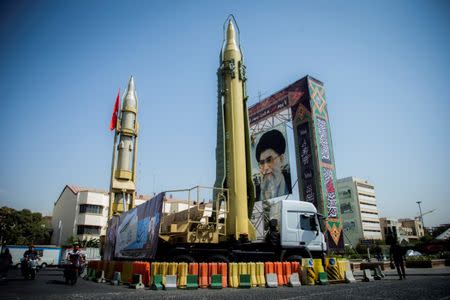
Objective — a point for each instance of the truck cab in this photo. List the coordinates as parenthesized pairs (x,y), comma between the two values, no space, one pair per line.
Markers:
(298,226)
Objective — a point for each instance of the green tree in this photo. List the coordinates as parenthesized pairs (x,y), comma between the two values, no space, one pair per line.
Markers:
(23,227)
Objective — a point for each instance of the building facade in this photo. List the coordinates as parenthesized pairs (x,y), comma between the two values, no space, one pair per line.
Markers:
(359,210)
(81,213)
(407,230)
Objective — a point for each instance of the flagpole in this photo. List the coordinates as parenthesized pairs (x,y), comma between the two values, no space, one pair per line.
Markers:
(116,133)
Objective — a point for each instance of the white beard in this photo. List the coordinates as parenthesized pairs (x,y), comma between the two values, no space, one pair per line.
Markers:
(270,185)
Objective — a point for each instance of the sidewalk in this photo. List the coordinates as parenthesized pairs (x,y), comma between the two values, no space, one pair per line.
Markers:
(444,271)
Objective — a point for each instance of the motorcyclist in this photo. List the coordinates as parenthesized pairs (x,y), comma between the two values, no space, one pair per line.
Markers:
(76,257)
(31,253)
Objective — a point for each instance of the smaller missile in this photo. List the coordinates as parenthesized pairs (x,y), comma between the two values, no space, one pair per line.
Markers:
(123,170)
(127,133)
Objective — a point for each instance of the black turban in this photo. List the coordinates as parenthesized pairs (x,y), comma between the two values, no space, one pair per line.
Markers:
(272,139)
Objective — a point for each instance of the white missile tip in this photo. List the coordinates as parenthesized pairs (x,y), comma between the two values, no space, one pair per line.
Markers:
(131,84)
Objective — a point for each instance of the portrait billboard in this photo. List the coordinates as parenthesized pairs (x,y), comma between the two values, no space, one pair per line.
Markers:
(134,233)
(270,163)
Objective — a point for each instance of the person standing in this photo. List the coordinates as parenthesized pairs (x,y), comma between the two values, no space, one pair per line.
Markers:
(397,254)
(5,263)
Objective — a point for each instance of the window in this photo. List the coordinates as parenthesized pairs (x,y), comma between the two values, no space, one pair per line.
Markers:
(308,222)
(87,229)
(91,209)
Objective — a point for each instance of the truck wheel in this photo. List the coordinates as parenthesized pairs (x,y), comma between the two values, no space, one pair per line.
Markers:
(44,265)
(183,258)
(219,258)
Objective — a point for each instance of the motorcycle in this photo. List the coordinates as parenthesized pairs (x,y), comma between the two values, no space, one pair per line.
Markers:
(29,267)
(73,268)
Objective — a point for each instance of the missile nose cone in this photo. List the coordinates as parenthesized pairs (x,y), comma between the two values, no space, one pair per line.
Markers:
(231,36)
(131,84)
(130,97)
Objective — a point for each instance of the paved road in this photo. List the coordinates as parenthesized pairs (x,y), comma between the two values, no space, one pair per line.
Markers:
(420,284)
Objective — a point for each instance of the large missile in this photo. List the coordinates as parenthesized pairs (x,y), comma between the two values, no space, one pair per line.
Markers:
(123,169)
(233,147)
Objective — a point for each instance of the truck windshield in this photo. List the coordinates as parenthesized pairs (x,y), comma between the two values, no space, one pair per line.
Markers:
(308,222)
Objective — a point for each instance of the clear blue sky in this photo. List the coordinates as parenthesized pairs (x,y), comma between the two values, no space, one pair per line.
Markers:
(385,65)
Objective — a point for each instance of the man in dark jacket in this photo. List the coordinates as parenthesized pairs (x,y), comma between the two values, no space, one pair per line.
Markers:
(397,254)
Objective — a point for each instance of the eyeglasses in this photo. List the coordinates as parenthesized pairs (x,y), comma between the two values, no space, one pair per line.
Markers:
(268,160)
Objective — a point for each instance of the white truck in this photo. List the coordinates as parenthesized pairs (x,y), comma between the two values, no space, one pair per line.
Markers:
(49,255)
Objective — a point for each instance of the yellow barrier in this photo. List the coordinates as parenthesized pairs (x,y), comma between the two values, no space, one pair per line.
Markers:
(318,267)
(343,265)
(163,268)
(182,275)
(233,272)
(172,269)
(260,278)
(253,280)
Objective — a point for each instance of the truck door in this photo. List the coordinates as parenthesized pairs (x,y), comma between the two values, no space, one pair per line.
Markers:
(307,230)
(291,235)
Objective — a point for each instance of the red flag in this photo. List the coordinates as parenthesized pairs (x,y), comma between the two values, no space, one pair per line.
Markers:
(113,122)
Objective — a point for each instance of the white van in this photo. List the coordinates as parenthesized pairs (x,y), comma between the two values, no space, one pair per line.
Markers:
(50,255)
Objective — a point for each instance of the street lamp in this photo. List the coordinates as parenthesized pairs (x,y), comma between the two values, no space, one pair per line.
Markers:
(420,210)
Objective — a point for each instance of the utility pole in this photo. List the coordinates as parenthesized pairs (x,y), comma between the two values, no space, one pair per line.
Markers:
(421,217)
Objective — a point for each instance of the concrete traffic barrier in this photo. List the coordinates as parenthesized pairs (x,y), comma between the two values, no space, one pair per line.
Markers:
(192,282)
(294,280)
(171,282)
(367,275)
(323,278)
(100,276)
(244,281)
(137,282)
(349,278)
(91,274)
(343,265)
(117,278)
(157,282)
(378,274)
(142,268)
(243,270)
(271,280)
(216,281)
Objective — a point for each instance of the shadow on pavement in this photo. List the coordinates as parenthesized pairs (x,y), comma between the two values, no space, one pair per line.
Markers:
(63,282)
